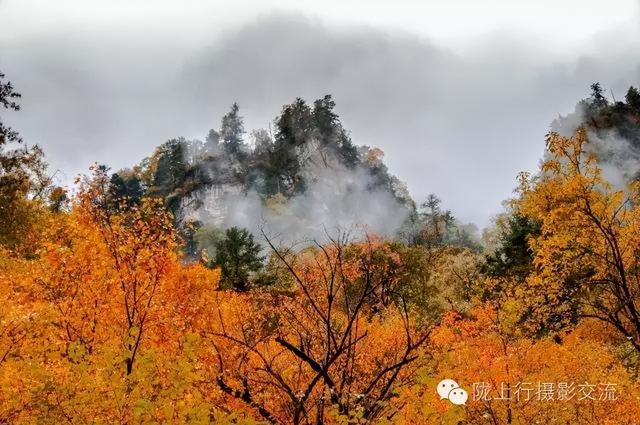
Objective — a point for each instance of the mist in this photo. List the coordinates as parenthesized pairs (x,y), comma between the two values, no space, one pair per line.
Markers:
(459,121)
(618,157)
(337,200)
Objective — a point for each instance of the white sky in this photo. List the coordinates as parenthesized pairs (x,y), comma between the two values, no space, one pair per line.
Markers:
(442,20)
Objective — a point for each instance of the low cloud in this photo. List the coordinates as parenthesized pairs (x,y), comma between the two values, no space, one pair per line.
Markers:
(457,123)
(337,200)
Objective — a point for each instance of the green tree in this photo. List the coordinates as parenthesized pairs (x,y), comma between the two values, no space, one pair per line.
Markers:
(126,184)
(23,178)
(434,223)
(285,162)
(633,99)
(171,176)
(329,131)
(169,168)
(513,257)
(598,100)
(304,133)
(238,256)
(232,132)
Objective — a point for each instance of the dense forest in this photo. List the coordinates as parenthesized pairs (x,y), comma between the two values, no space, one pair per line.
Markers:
(285,276)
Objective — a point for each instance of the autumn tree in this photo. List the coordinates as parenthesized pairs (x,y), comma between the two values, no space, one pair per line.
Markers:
(104,322)
(318,353)
(504,371)
(140,241)
(587,251)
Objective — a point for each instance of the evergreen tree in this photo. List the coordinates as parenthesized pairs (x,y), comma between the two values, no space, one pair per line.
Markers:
(169,172)
(633,99)
(513,257)
(238,256)
(293,131)
(232,131)
(437,222)
(598,100)
(330,132)
(127,184)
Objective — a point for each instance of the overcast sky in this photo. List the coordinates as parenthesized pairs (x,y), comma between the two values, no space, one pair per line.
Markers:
(458,93)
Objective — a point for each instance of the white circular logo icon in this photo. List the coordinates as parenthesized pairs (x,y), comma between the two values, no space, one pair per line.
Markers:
(450,390)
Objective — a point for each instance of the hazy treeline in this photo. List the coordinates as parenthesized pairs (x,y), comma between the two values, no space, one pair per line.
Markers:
(298,181)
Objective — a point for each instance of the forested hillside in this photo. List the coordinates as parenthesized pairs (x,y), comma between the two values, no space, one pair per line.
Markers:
(301,180)
(285,276)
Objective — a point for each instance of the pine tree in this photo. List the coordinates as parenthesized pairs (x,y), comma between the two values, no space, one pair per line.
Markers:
(238,256)
(232,131)
(633,99)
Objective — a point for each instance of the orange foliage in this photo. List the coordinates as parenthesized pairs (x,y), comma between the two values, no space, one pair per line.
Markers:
(588,250)
(103,326)
(319,353)
(477,351)
(104,323)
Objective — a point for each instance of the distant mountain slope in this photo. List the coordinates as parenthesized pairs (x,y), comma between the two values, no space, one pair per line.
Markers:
(300,179)
(614,131)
